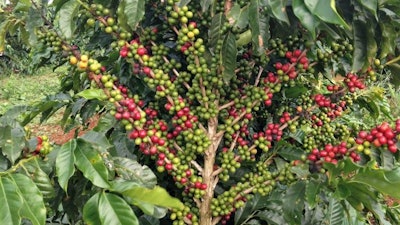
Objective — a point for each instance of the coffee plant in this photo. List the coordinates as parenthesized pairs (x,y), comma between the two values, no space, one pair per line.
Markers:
(211,112)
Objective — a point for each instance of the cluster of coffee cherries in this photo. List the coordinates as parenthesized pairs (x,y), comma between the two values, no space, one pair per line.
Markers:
(43,146)
(333,109)
(50,39)
(381,136)
(332,153)
(337,50)
(353,82)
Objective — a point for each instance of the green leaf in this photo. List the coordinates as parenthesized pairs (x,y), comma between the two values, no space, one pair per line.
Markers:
(40,178)
(12,141)
(131,170)
(259,27)
(148,220)
(306,18)
(228,57)
(65,161)
(11,202)
(215,31)
(295,91)
(93,94)
(114,210)
(134,12)
(244,38)
(384,181)
(98,141)
(67,18)
(293,202)
(239,17)
(278,8)
(370,5)
(288,151)
(335,214)
(33,207)
(91,214)
(388,42)
(156,196)
(183,2)
(360,54)
(89,161)
(328,14)
(387,160)
(313,189)
(205,4)
(361,196)
(271,217)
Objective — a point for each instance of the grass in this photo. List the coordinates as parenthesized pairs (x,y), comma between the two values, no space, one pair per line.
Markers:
(18,89)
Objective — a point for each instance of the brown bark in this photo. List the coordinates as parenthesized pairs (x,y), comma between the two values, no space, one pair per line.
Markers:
(207,173)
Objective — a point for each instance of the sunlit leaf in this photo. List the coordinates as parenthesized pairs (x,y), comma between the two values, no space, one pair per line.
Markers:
(65,163)
(11,202)
(134,12)
(129,169)
(33,207)
(91,214)
(278,8)
(113,210)
(156,196)
(91,164)
(67,16)
(93,94)
(326,13)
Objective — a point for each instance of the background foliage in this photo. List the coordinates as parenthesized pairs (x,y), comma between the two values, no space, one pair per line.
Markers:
(104,178)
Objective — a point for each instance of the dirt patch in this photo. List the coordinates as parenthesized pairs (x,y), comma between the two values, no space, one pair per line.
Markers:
(56,133)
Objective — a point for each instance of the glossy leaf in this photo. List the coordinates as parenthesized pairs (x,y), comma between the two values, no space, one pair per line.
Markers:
(12,141)
(113,210)
(371,5)
(148,220)
(293,202)
(259,27)
(40,178)
(67,16)
(239,17)
(92,94)
(90,163)
(228,57)
(385,181)
(65,163)
(326,13)
(33,207)
(205,4)
(271,217)
(215,31)
(91,214)
(129,169)
(134,12)
(97,139)
(278,8)
(156,196)
(365,197)
(335,214)
(11,202)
